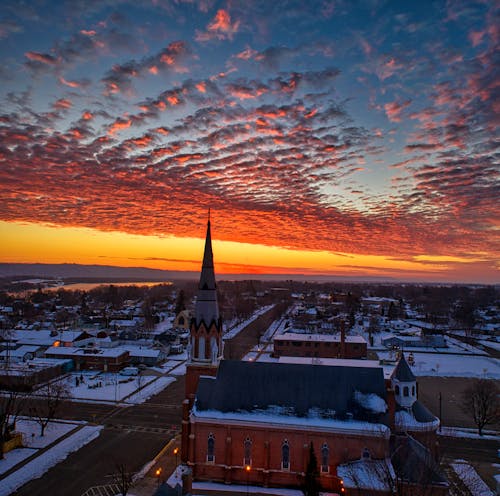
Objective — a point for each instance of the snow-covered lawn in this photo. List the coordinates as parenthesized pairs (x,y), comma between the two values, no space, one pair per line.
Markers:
(180,370)
(104,386)
(110,387)
(448,365)
(37,467)
(154,387)
(471,479)
(468,433)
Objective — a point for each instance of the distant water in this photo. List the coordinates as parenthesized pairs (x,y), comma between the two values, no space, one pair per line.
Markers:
(83,286)
(87,286)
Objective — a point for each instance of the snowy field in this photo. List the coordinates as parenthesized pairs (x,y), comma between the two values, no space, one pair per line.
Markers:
(34,469)
(426,364)
(447,365)
(110,387)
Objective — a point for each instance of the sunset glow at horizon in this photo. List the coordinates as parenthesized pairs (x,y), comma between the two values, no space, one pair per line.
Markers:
(327,137)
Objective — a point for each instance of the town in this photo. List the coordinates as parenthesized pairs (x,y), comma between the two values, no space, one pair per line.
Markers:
(347,388)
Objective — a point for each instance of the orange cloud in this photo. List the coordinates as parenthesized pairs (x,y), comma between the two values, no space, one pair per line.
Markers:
(220,27)
(118,125)
(71,84)
(201,87)
(43,58)
(63,103)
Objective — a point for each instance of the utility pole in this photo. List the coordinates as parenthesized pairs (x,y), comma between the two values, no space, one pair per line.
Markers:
(440,410)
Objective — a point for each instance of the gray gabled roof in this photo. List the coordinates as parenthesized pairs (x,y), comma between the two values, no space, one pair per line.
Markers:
(250,386)
(402,372)
(414,463)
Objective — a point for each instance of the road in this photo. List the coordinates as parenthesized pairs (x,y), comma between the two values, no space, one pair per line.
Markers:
(133,435)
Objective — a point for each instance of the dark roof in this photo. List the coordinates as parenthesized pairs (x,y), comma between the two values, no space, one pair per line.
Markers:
(414,463)
(402,372)
(421,413)
(248,386)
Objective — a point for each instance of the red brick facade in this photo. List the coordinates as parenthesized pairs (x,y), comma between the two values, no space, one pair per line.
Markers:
(319,345)
(265,442)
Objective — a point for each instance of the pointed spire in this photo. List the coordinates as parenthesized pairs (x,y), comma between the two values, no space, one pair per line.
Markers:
(402,372)
(207,309)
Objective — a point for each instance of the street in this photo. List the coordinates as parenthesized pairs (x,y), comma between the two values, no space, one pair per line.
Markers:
(132,435)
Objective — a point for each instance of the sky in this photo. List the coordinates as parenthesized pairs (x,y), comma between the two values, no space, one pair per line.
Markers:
(326,137)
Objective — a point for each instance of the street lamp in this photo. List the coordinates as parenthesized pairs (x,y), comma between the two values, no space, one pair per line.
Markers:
(247,469)
(158,474)
(176,452)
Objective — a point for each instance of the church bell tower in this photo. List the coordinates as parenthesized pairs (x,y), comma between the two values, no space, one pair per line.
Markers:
(205,348)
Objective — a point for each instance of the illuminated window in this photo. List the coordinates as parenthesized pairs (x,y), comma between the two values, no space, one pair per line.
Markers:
(211,448)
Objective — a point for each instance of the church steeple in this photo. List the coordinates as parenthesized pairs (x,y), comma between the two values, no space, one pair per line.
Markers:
(206,347)
(207,309)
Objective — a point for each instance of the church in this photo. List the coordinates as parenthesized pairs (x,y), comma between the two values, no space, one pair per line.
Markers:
(257,422)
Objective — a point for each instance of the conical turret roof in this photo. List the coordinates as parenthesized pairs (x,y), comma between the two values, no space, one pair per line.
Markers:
(207,309)
(402,372)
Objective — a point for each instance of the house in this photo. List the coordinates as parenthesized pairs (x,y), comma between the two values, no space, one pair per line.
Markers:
(107,359)
(425,341)
(319,345)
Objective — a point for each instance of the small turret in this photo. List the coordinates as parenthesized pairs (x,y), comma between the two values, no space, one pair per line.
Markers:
(404,384)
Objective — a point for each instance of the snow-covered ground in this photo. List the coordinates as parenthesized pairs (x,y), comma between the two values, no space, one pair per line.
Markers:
(221,489)
(468,433)
(448,365)
(110,387)
(239,327)
(34,469)
(471,479)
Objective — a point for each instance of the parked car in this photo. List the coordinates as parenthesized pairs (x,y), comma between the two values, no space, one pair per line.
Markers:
(176,349)
(129,371)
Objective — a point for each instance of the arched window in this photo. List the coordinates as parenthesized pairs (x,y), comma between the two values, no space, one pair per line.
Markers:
(396,389)
(366,453)
(247,457)
(285,455)
(405,391)
(413,390)
(201,347)
(211,448)
(325,458)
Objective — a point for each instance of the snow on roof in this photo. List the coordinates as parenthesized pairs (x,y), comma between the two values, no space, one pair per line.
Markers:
(375,475)
(144,352)
(331,338)
(406,421)
(334,362)
(311,421)
(71,350)
(371,402)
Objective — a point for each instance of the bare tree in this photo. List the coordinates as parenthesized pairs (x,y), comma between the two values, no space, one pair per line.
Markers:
(49,399)
(480,400)
(12,401)
(123,478)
